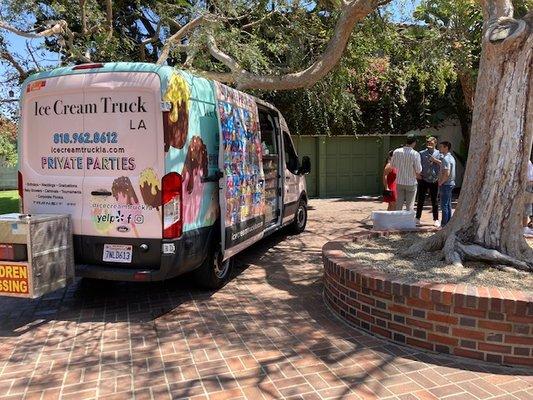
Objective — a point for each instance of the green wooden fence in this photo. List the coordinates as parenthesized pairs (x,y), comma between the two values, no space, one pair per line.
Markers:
(343,166)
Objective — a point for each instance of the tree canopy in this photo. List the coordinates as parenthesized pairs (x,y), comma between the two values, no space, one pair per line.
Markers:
(386,82)
(392,77)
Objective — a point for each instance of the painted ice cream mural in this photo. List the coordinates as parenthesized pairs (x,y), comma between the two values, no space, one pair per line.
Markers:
(149,185)
(176,122)
(191,146)
(124,194)
(194,169)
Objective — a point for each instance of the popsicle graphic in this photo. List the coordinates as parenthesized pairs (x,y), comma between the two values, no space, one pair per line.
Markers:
(150,188)
(177,120)
(124,194)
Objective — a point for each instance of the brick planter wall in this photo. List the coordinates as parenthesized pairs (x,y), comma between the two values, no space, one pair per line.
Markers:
(491,324)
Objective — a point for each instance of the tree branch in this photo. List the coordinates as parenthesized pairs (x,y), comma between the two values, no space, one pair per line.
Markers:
(173,40)
(154,37)
(6,55)
(191,55)
(109,16)
(351,12)
(257,22)
(223,57)
(83,17)
(30,50)
(60,27)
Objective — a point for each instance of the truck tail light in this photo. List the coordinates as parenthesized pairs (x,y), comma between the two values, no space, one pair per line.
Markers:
(20,186)
(172,205)
(88,66)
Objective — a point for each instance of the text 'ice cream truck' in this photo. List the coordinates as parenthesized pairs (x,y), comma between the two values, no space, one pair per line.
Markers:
(162,172)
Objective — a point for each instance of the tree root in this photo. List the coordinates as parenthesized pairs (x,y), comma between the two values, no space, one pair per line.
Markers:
(432,243)
(475,252)
(455,252)
(451,255)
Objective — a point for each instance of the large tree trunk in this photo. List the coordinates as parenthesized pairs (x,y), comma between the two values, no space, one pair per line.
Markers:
(490,207)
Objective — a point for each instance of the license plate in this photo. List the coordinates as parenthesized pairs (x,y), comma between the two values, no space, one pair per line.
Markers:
(117,253)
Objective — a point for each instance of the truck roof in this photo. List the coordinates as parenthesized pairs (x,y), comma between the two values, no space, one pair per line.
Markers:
(164,71)
(99,68)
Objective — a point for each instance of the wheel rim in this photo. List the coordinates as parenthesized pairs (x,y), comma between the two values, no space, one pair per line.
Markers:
(300,217)
(221,267)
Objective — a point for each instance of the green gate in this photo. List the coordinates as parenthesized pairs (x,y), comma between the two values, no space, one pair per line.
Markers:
(344,166)
(351,166)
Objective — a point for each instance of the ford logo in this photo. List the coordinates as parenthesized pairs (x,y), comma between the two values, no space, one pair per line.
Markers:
(123,229)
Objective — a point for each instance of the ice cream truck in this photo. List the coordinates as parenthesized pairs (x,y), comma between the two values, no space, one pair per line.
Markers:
(161,171)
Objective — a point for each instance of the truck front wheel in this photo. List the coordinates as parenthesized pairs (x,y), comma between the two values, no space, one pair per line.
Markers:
(213,273)
(300,218)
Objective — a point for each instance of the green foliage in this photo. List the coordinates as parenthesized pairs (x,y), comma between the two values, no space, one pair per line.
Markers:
(8,152)
(390,80)
(9,201)
(8,143)
(456,26)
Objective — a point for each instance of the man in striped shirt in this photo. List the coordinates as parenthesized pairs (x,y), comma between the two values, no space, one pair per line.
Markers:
(407,161)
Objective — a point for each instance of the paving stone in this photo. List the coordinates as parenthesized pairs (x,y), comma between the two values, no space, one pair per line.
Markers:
(266,335)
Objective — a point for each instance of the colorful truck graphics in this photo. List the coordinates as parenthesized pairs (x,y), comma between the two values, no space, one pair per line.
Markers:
(96,142)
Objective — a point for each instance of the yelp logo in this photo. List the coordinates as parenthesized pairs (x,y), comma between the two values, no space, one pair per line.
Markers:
(120,217)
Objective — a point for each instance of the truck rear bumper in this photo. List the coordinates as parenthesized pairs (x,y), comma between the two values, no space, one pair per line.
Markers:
(119,274)
(189,253)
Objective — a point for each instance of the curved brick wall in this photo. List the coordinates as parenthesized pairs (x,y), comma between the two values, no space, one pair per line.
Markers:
(490,324)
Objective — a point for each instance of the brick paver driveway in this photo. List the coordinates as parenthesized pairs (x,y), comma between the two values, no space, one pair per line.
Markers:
(267,334)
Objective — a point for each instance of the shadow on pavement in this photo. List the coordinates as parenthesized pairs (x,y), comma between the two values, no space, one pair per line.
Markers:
(271,315)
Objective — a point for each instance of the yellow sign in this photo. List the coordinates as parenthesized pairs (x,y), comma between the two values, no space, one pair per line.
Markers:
(14,279)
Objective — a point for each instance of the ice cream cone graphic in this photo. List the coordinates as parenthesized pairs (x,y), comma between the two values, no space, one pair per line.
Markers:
(125,195)
(150,187)
(176,122)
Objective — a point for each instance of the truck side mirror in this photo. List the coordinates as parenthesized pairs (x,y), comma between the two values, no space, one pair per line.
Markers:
(306,166)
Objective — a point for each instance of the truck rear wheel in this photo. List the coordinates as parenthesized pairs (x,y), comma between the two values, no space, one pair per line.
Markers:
(300,218)
(213,273)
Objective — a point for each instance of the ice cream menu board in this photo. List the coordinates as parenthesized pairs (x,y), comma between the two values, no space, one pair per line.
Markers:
(244,195)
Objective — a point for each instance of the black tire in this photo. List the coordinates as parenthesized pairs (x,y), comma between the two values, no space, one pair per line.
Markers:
(300,218)
(213,273)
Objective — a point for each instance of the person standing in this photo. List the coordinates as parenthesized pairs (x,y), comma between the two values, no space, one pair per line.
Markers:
(407,162)
(429,181)
(389,183)
(446,181)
